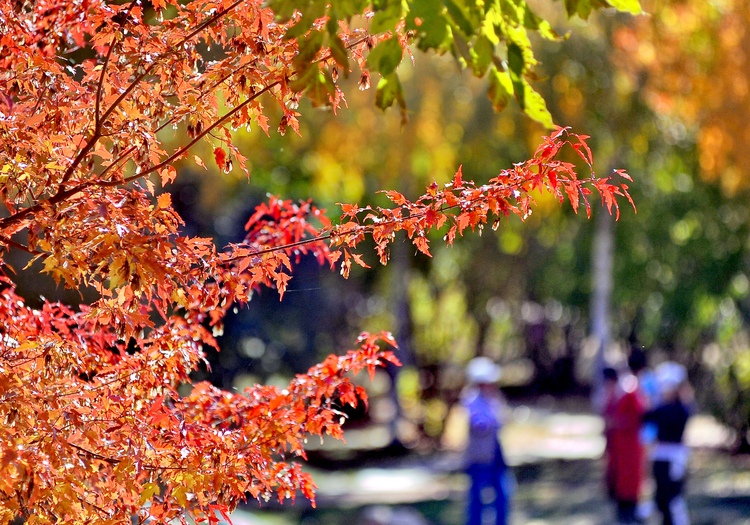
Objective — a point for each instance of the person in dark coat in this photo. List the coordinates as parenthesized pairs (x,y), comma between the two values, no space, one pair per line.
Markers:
(670,455)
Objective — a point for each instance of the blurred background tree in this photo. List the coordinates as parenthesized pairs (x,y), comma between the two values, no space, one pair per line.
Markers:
(688,63)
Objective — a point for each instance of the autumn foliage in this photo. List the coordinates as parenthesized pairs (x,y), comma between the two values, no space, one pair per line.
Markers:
(93,426)
(693,72)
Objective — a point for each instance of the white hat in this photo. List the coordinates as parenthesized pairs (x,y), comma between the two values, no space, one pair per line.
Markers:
(670,375)
(482,370)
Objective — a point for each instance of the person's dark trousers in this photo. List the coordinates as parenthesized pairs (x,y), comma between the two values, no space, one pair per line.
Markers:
(626,512)
(668,495)
(483,476)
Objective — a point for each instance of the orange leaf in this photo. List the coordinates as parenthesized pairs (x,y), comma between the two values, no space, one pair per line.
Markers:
(164,201)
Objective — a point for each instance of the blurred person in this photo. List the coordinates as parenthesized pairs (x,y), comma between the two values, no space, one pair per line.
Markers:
(670,455)
(484,459)
(649,389)
(622,408)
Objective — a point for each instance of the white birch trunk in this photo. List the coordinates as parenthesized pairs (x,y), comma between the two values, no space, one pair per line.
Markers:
(601,297)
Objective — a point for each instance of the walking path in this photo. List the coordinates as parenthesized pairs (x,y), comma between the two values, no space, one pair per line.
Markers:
(556,460)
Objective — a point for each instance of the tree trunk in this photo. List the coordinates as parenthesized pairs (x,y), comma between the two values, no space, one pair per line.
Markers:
(603,251)
(403,331)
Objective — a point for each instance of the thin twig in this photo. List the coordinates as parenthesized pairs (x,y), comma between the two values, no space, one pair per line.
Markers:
(123,157)
(97,116)
(111,461)
(177,154)
(100,85)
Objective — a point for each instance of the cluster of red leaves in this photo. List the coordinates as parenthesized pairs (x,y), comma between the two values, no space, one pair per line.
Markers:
(459,205)
(92,432)
(462,204)
(93,428)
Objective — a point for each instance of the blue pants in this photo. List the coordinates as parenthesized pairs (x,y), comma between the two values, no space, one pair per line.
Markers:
(483,476)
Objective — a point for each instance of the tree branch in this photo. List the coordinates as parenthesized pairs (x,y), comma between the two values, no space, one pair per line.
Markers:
(65,194)
(203,25)
(14,244)
(179,152)
(111,461)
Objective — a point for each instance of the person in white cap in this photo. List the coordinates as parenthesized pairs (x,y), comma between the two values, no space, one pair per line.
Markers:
(485,463)
(670,455)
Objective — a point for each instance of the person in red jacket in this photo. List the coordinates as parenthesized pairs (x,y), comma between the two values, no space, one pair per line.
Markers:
(623,411)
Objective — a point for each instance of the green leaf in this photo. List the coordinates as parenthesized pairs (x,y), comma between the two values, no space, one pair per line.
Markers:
(317,85)
(519,37)
(387,17)
(304,77)
(321,89)
(460,17)
(339,53)
(583,8)
(481,56)
(346,9)
(385,57)
(427,19)
(530,101)
(389,90)
(310,14)
(500,89)
(515,62)
(533,105)
(534,22)
(509,11)
(284,9)
(461,50)
(308,48)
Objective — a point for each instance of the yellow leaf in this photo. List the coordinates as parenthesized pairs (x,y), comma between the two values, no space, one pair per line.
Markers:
(149,490)
(119,272)
(50,263)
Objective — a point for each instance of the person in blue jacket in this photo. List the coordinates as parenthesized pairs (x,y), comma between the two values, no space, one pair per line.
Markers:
(484,460)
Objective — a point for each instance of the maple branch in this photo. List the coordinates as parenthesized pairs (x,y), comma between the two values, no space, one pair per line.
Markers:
(73,165)
(100,120)
(19,246)
(206,91)
(200,27)
(180,151)
(111,461)
(359,230)
(223,119)
(123,157)
(65,194)
(41,96)
(122,377)
(100,84)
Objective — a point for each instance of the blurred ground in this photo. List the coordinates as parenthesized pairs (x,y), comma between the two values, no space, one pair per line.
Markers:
(556,461)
